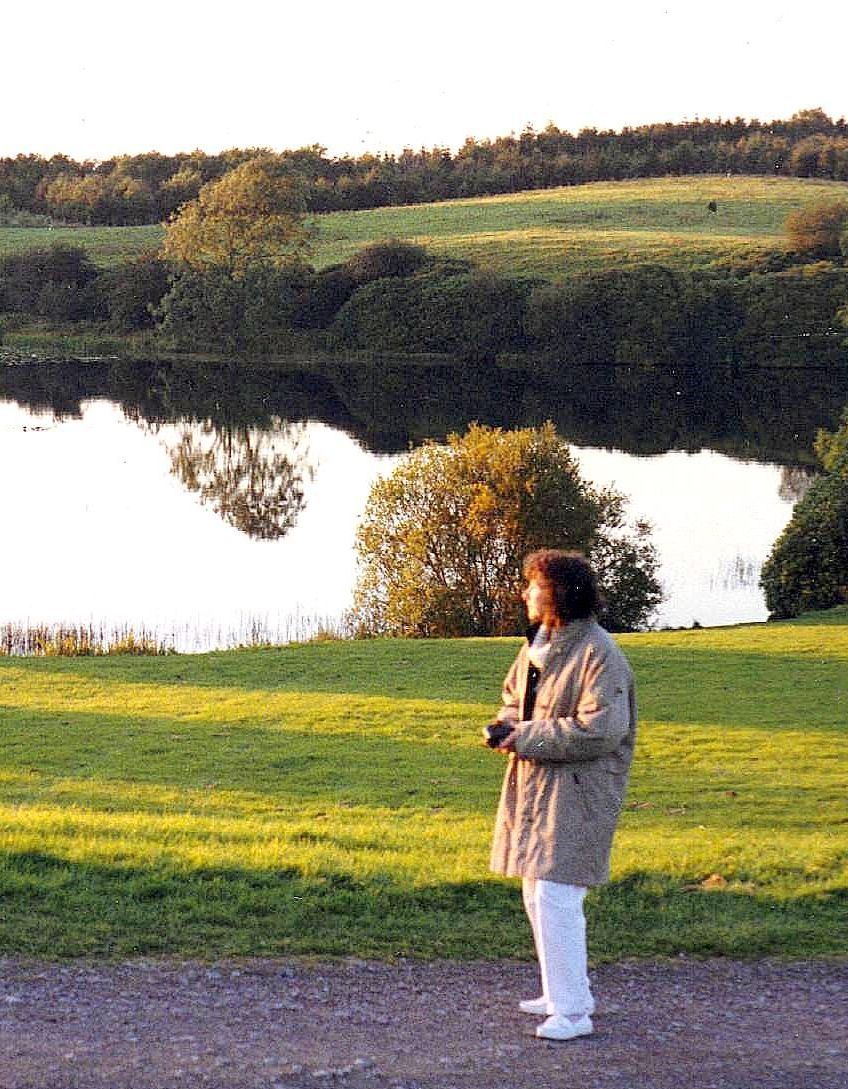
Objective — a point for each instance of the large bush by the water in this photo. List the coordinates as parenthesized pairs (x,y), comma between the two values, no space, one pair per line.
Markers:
(471,315)
(613,316)
(808,566)
(132,290)
(212,311)
(55,283)
(442,539)
(791,316)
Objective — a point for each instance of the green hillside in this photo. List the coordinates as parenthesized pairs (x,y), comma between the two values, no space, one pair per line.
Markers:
(558,232)
(551,233)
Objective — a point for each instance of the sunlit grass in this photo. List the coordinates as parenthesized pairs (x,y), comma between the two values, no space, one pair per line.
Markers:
(335,798)
(556,254)
(554,233)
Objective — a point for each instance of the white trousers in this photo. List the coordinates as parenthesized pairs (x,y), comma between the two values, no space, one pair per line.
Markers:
(556,916)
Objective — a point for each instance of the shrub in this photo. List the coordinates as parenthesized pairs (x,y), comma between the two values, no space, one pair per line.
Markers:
(816,230)
(790,317)
(378,317)
(614,316)
(59,301)
(383,260)
(53,282)
(212,311)
(272,302)
(808,565)
(473,316)
(131,292)
(202,310)
(326,293)
(442,539)
(712,319)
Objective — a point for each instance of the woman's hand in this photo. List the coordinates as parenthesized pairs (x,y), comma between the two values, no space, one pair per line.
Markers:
(508,743)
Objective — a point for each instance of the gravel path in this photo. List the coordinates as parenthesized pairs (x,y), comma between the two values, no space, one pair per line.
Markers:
(366,1025)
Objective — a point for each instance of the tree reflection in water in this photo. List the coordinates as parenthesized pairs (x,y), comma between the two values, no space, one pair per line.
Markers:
(253,478)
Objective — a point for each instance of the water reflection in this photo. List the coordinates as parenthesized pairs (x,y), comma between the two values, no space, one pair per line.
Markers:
(752,413)
(739,573)
(281,461)
(254,479)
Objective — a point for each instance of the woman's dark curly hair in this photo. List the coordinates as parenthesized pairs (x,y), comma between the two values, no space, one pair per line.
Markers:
(575,587)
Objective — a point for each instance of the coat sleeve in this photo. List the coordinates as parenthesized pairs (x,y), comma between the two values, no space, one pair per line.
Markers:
(601,721)
(511,695)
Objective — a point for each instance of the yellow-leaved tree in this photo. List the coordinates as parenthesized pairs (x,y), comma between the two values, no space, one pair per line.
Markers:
(442,539)
(255,215)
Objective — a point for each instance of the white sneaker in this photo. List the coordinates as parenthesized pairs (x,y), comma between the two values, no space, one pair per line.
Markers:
(538,1007)
(558,1027)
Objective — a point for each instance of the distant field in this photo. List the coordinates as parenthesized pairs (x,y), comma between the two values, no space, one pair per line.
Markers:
(550,233)
(106,245)
(557,232)
(334,798)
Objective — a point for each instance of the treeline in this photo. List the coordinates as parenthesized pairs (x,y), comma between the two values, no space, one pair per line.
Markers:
(394,297)
(148,188)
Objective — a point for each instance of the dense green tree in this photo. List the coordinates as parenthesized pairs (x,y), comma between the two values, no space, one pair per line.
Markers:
(202,311)
(328,291)
(627,566)
(808,565)
(153,186)
(636,315)
(790,316)
(442,539)
(112,199)
(182,186)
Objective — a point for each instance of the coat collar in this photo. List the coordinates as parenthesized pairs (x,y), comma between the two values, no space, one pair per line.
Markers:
(564,636)
(563,639)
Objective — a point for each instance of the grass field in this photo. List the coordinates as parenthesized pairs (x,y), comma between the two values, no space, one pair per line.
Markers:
(559,232)
(105,245)
(551,233)
(334,798)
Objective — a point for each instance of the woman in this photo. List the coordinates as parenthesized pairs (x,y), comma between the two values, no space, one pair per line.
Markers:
(570,709)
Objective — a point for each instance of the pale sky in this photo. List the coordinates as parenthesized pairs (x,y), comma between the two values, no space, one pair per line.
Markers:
(98,78)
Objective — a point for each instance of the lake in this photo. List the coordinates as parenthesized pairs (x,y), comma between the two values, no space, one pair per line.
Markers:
(216,507)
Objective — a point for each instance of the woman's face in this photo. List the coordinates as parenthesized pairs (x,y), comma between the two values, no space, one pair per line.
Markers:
(538,600)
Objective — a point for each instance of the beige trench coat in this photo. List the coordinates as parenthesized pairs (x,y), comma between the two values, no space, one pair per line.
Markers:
(565,782)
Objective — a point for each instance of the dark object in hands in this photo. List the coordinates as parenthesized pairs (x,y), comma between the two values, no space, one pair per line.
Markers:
(496,733)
